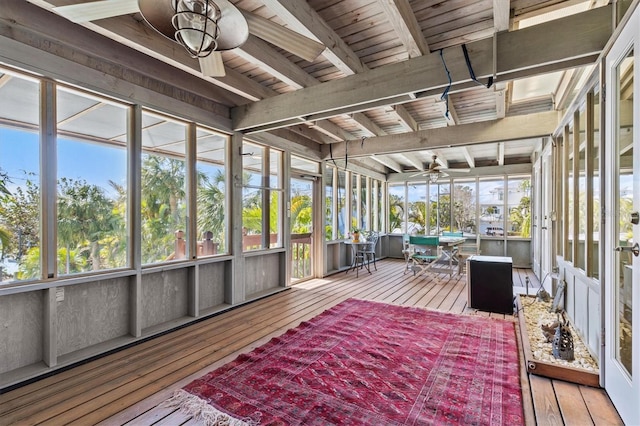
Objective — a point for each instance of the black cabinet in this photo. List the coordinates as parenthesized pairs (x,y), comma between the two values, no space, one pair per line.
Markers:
(490,283)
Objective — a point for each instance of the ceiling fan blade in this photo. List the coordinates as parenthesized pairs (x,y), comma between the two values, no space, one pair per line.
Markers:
(284,38)
(85,12)
(212,65)
(419,174)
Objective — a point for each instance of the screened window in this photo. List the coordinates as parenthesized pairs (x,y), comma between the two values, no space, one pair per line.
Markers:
(379,205)
(92,183)
(355,221)
(581,200)
(464,206)
(19,178)
(417,208)
(330,204)
(211,192)
(163,190)
(519,207)
(595,196)
(491,203)
(443,208)
(397,208)
(261,197)
(570,195)
(342,205)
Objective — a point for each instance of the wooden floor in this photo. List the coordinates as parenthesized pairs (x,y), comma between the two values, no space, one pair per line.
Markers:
(126,387)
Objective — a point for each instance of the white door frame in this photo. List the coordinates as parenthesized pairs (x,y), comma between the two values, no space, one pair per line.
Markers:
(624,390)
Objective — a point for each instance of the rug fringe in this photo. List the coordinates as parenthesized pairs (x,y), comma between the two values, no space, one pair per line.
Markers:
(202,411)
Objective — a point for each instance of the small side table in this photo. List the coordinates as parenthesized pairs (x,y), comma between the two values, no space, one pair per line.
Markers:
(490,283)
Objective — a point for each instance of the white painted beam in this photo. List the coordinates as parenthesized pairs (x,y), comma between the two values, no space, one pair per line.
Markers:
(393,165)
(467,155)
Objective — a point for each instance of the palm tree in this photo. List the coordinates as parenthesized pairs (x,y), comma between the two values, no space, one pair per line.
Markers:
(211,206)
(163,181)
(418,214)
(396,212)
(85,217)
(300,214)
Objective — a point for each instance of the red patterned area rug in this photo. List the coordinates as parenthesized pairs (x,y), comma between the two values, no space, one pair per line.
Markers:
(369,363)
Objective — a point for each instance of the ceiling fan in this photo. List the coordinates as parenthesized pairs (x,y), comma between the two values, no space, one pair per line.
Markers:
(204,27)
(435,170)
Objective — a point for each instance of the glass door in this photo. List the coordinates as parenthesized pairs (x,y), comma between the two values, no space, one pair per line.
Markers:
(301,210)
(622,184)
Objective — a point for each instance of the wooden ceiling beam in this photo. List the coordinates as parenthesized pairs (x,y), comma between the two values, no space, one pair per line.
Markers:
(302,18)
(501,15)
(501,101)
(386,161)
(260,53)
(406,119)
(467,155)
(549,46)
(367,125)
(509,128)
(448,110)
(411,159)
(500,154)
(404,22)
(332,130)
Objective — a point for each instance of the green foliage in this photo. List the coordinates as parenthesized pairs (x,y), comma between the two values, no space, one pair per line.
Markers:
(301,219)
(19,218)
(396,212)
(163,206)
(211,206)
(86,223)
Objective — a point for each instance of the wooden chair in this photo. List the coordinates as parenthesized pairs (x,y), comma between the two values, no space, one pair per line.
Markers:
(423,251)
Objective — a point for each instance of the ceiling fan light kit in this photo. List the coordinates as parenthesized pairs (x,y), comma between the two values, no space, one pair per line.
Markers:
(196,25)
(204,27)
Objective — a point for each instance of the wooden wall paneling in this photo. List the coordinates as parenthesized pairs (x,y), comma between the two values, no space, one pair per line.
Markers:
(263,273)
(193,290)
(520,252)
(23,339)
(580,306)
(592,336)
(92,313)
(164,297)
(211,285)
(135,305)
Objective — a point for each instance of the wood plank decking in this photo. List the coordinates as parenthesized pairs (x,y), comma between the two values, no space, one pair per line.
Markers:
(127,386)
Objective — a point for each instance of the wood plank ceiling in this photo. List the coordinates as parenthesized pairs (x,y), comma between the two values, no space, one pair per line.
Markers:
(364,39)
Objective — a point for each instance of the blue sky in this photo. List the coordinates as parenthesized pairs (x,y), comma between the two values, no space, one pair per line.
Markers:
(94,163)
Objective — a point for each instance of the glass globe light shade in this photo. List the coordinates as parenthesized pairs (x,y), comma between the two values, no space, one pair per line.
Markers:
(196,26)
